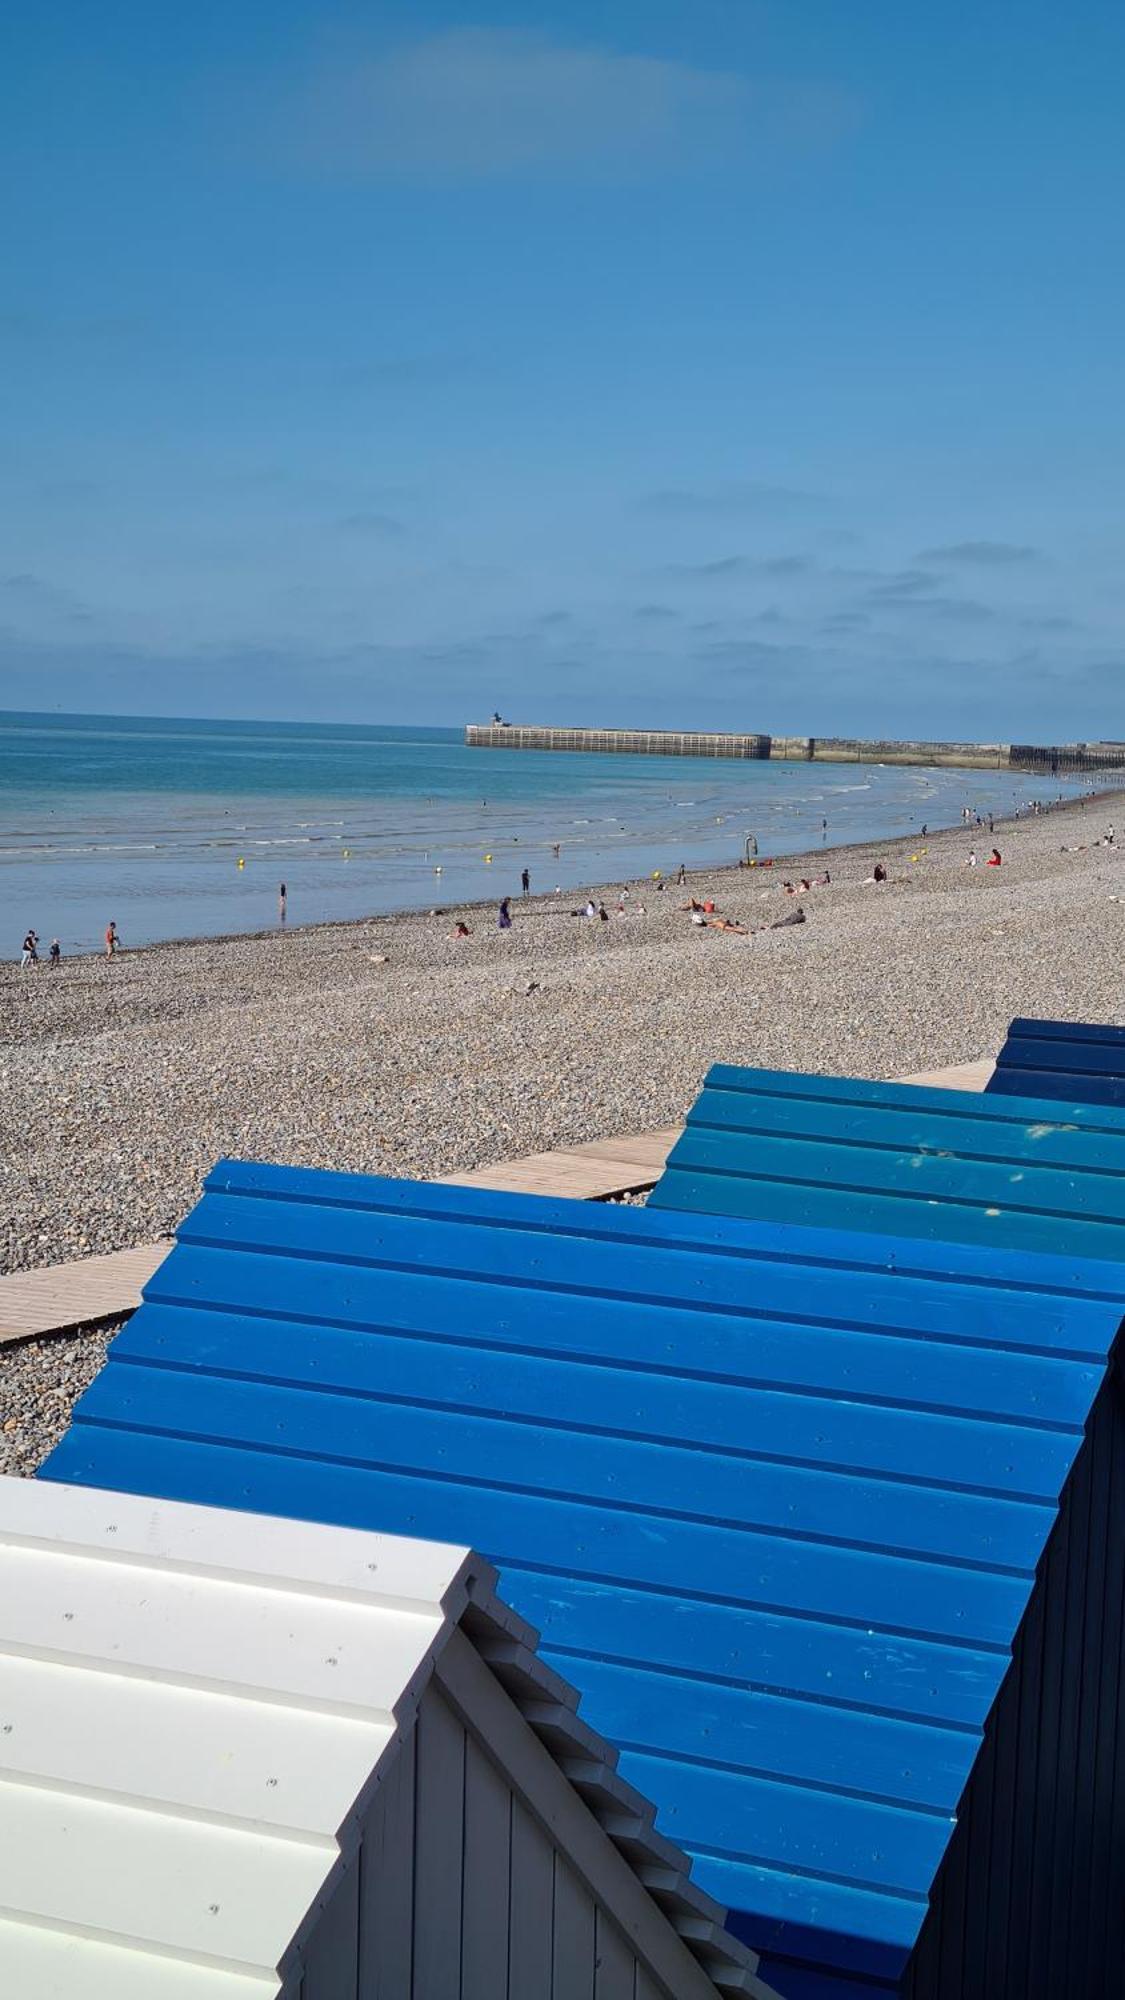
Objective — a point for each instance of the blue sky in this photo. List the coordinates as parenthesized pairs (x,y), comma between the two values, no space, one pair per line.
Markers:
(744,365)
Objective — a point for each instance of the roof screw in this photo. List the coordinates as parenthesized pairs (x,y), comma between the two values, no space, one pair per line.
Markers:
(331,1661)
(68,1615)
(112,1528)
(214,1909)
(7,1729)
(272,1783)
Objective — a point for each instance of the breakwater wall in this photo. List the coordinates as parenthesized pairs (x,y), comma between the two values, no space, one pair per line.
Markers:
(1051,759)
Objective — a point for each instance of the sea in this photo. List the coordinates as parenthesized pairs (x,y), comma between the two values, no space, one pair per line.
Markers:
(178,829)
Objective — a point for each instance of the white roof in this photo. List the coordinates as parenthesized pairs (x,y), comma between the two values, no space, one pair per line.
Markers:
(194,1705)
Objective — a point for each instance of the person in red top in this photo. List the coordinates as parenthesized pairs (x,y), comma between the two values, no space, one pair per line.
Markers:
(110,940)
(994,858)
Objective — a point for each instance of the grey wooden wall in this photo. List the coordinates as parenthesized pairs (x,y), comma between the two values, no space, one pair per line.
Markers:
(459,1891)
(1030,1900)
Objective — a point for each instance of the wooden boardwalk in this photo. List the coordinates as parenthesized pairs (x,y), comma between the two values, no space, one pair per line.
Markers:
(69,1295)
(586,1173)
(64,1295)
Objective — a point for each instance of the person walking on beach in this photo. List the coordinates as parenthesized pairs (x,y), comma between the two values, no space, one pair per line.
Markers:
(55,954)
(282,900)
(110,940)
(525,881)
(504,916)
(30,949)
(681,876)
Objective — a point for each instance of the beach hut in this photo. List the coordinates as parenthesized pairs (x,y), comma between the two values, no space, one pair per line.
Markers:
(827,1529)
(1081,1062)
(927,1164)
(245,1757)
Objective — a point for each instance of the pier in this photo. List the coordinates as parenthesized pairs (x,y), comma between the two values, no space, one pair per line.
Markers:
(1050,759)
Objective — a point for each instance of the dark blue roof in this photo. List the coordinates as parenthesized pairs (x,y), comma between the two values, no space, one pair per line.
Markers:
(774,1497)
(1020,1173)
(1078,1061)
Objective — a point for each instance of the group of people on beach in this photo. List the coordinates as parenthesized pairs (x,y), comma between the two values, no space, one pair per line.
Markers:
(703,912)
(54,956)
(31,950)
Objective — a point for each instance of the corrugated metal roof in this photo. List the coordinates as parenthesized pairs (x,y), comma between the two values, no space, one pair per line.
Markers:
(1077,1061)
(1019,1173)
(774,1496)
(195,1706)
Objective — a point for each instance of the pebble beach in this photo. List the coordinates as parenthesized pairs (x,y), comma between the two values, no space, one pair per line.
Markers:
(389,1046)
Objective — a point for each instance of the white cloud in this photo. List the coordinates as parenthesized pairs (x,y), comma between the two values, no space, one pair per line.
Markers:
(483,102)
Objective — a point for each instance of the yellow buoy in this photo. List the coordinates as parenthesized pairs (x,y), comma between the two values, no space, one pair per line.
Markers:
(488,857)
(241,862)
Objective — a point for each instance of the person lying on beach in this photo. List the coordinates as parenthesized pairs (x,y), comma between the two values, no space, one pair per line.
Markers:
(880,875)
(795,917)
(460,929)
(725,924)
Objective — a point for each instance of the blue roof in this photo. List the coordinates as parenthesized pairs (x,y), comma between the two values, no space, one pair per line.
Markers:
(774,1497)
(1081,1061)
(1020,1173)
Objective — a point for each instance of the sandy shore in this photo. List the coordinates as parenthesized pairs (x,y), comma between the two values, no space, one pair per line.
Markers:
(388,1046)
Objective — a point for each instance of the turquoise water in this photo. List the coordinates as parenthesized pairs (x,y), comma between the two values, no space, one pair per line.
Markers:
(145,821)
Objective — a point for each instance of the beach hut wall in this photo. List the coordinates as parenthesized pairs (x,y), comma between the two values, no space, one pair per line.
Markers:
(925,1164)
(246,1757)
(1079,1062)
(825,1528)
